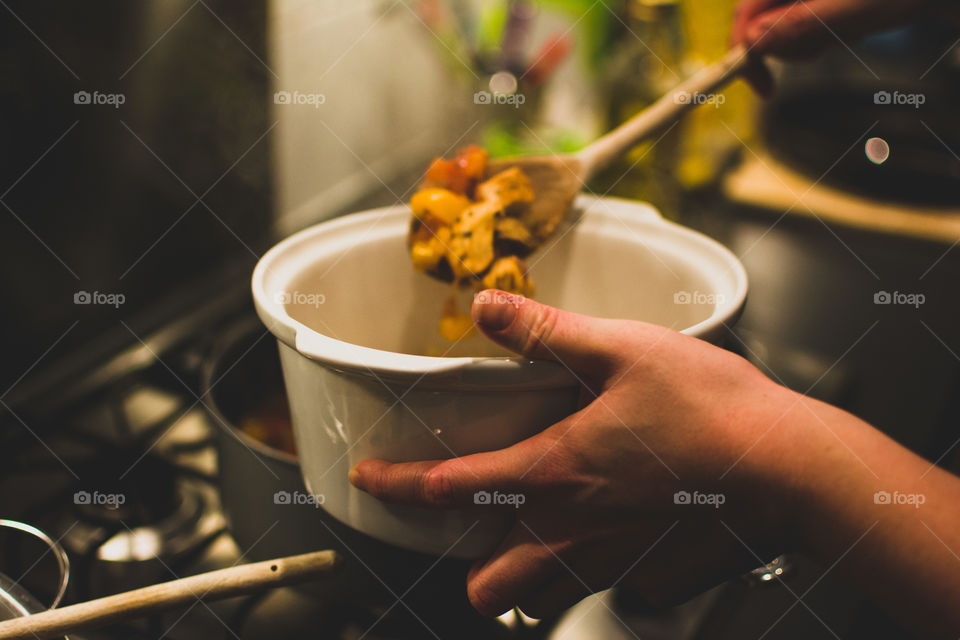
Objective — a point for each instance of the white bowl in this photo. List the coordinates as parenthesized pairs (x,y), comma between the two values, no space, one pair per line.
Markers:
(354,320)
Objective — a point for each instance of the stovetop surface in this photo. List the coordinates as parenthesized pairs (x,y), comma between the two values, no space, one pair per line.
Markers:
(125,478)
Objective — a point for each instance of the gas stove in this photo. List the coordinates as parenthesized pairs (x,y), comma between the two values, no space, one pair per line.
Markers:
(124,476)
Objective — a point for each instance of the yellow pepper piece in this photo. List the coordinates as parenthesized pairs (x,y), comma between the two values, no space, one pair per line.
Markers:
(443,204)
(425,254)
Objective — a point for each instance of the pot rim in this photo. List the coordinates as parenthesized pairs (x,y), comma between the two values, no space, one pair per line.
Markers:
(208,383)
(278,266)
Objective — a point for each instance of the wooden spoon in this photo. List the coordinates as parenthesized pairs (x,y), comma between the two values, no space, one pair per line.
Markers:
(557,179)
(213,585)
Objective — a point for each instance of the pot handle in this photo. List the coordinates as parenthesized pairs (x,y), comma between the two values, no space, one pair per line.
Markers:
(63,561)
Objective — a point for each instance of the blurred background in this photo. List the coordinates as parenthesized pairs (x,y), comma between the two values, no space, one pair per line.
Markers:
(151,151)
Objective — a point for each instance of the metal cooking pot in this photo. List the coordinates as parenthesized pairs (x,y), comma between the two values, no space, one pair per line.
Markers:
(15,601)
(260,485)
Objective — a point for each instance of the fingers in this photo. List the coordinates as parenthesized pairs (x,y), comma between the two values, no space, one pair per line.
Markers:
(797,30)
(582,343)
(452,483)
(541,575)
(746,13)
(520,566)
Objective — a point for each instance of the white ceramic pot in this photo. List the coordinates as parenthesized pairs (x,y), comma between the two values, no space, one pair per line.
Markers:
(355,323)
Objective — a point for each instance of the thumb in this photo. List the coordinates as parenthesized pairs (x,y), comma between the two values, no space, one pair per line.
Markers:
(581,343)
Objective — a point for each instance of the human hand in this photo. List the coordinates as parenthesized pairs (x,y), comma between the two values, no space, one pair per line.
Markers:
(667,413)
(797,29)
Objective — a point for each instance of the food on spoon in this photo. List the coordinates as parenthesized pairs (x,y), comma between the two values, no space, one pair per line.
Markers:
(508,187)
(470,231)
(459,175)
(509,274)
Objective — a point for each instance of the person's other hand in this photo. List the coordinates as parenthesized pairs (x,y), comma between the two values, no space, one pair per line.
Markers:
(797,29)
(667,413)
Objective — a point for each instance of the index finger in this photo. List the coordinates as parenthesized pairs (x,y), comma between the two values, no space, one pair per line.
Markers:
(450,483)
(533,465)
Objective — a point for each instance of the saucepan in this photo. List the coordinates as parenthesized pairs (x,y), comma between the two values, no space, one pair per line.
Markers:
(15,600)
(368,374)
(267,506)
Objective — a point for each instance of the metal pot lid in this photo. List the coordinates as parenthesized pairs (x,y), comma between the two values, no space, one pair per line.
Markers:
(15,601)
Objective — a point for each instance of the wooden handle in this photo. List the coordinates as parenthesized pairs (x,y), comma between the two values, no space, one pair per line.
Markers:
(213,585)
(661,113)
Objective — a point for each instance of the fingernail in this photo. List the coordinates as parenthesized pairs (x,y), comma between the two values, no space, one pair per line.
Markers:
(494,316)
(354,476)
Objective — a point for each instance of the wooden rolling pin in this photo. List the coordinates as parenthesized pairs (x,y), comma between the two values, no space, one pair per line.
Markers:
(214,585)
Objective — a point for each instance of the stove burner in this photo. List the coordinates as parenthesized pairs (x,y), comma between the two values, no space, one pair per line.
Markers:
(127,491)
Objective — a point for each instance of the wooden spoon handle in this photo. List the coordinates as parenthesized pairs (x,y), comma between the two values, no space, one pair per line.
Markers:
(213,585)
(661,113)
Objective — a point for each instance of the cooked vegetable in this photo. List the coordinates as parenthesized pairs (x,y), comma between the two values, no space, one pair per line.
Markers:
(509,274)
(471,240)
(426,254)
(459,175)
(471,232)
(443,204)
(507,187)
(512,238)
